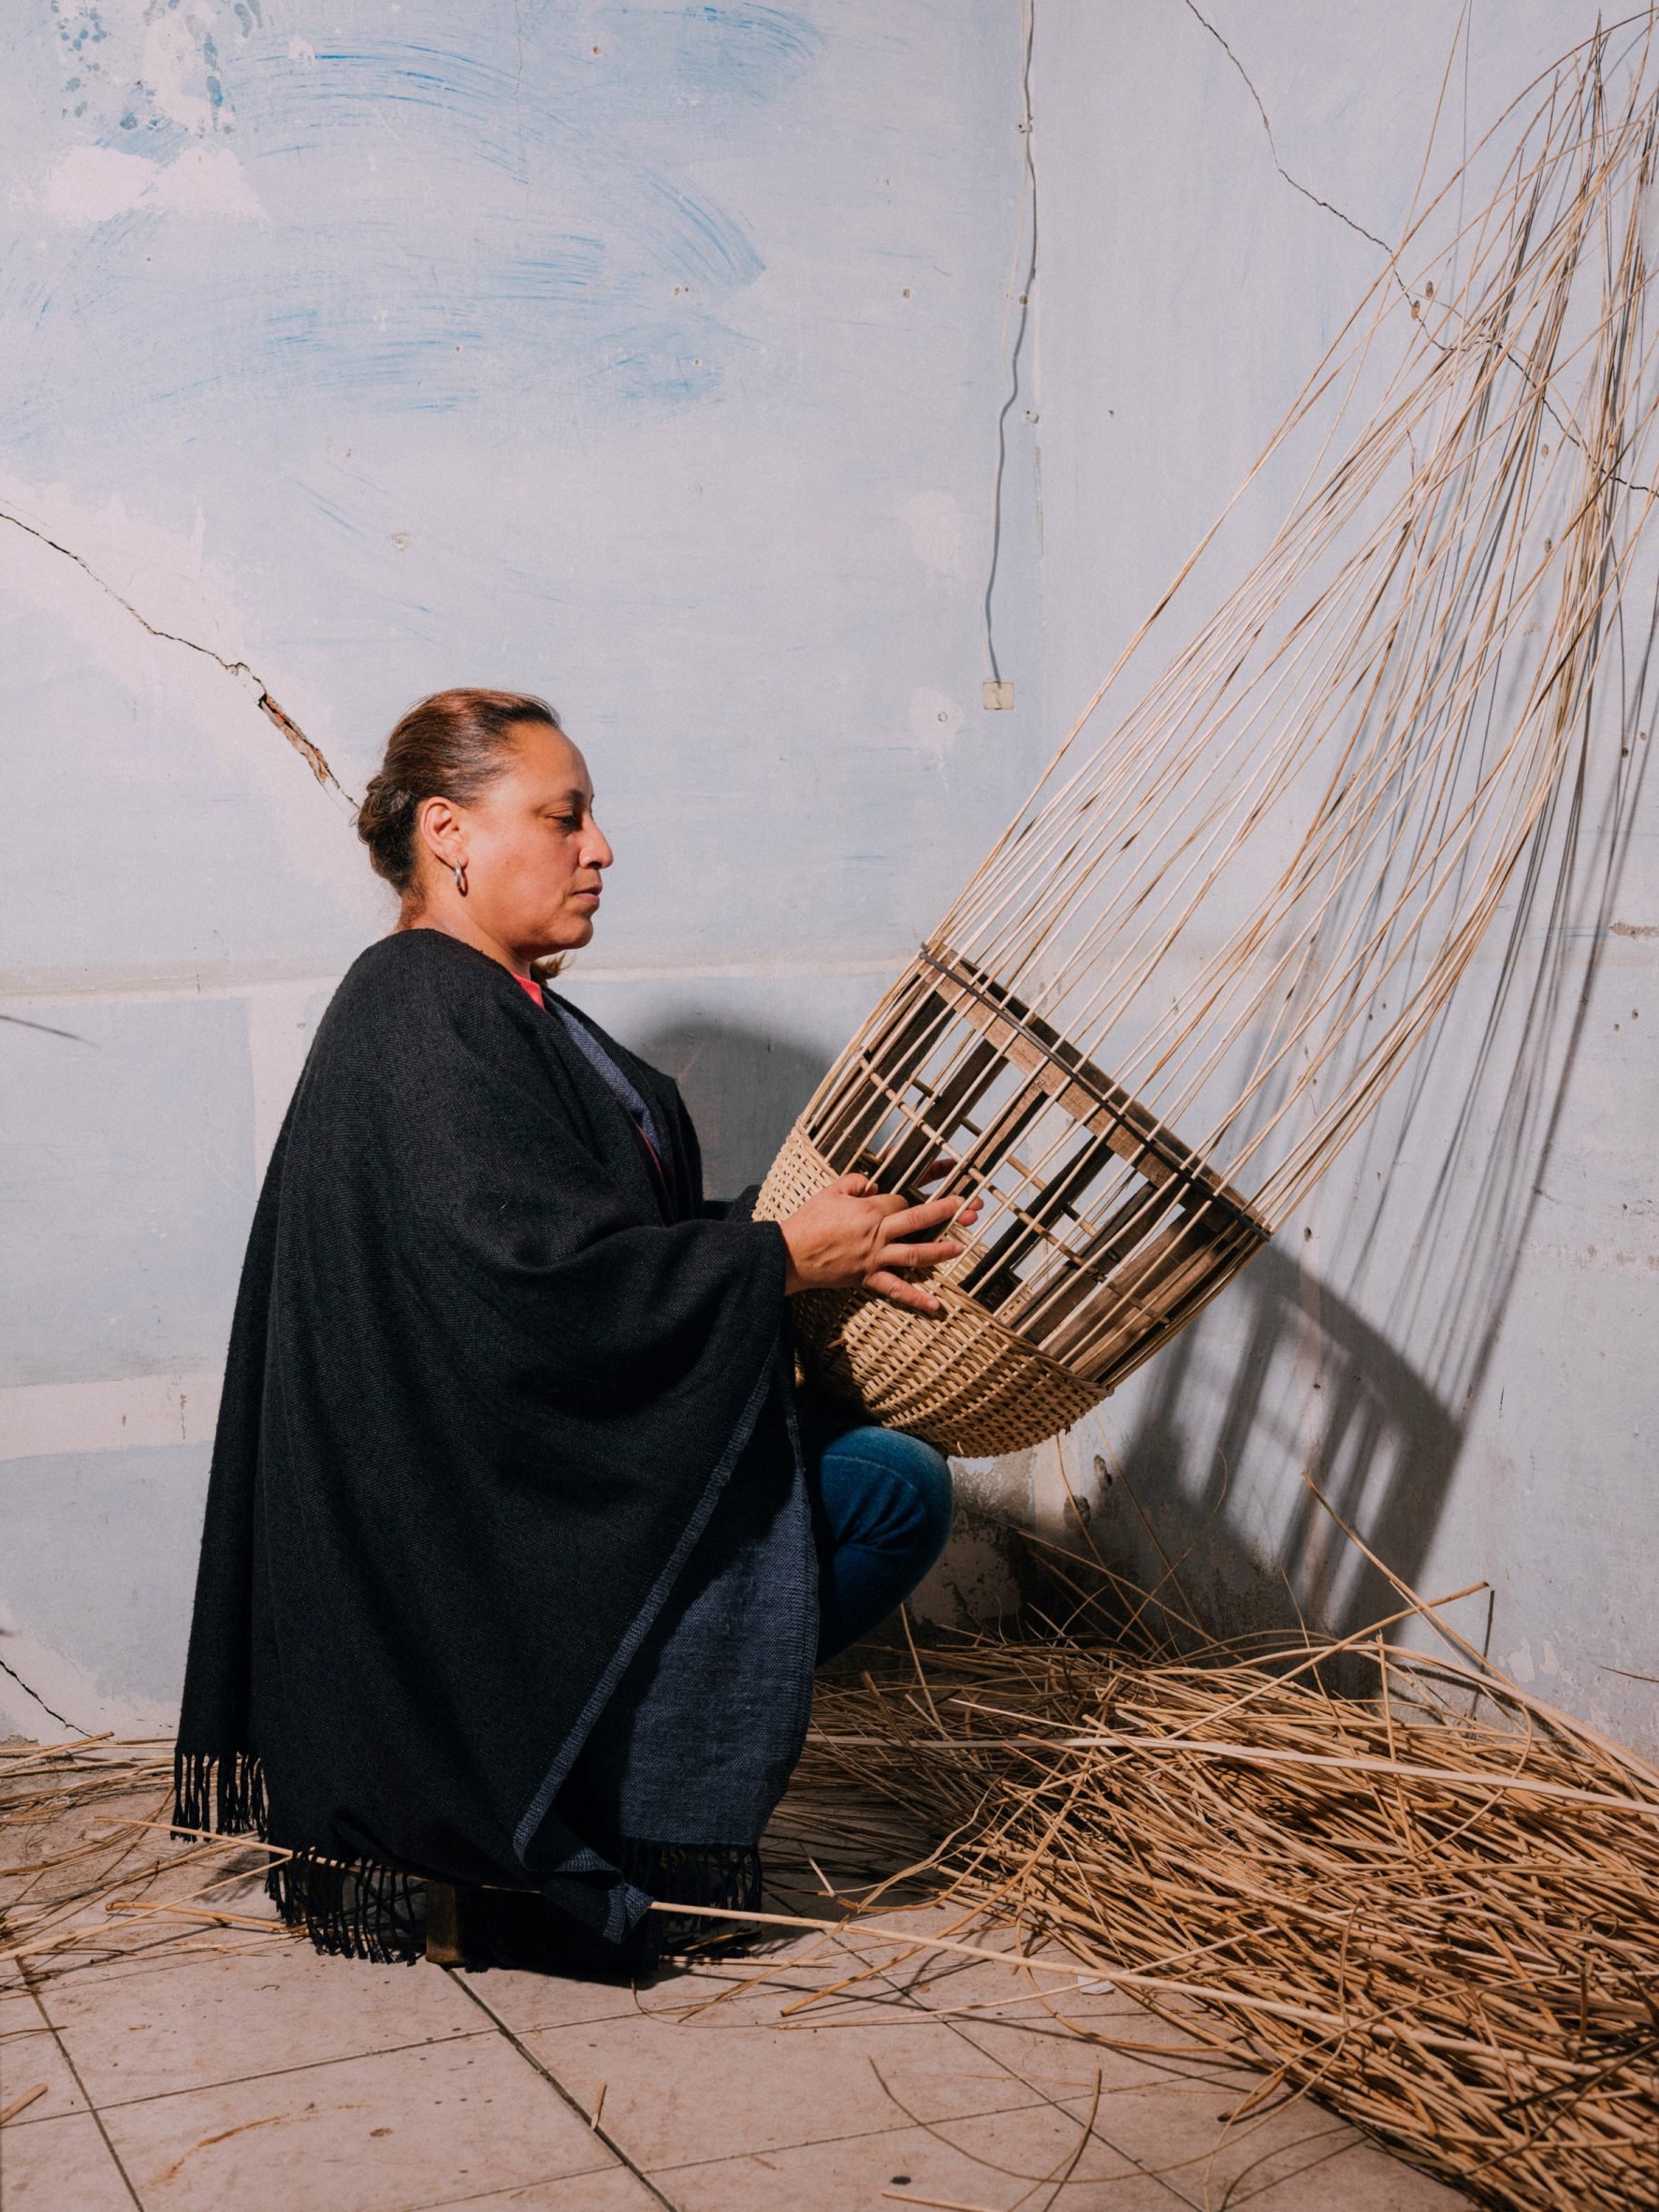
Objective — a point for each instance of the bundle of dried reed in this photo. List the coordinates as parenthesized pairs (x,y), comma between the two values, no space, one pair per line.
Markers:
(1435,1904)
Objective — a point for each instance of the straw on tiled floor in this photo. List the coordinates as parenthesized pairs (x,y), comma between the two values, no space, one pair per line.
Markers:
(186,2064)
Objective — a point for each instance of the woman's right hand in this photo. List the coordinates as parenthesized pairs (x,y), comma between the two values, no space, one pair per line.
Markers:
(849,1237)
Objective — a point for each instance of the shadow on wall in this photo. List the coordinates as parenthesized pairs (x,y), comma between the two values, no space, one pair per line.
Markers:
(1379,1441)
(743,1089)
(1391,1442)
(1285,1372)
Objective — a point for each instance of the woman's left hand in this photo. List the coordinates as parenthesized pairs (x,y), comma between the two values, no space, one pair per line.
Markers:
(851,1236)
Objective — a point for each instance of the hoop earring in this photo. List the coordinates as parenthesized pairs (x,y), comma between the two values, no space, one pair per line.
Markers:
(461,877)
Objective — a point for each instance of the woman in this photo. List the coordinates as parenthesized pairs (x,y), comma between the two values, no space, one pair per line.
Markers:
(519,1555)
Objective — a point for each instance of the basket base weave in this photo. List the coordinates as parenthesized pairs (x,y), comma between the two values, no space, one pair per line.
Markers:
(959,1379)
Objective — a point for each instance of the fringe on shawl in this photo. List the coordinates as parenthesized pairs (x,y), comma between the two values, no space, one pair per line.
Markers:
(365,1908)
(224,1793)
(352,1908)
(724,1874)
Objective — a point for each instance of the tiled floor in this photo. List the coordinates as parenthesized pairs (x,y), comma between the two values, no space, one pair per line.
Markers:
(232,2072)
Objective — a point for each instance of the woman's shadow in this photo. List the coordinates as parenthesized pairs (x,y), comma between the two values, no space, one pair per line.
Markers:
(743,1089)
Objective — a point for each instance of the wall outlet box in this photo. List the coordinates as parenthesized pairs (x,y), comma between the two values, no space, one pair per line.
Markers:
(997,696)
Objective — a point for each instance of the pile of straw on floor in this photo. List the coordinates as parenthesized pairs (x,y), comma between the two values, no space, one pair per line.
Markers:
(1420,1894)
(1433,1903)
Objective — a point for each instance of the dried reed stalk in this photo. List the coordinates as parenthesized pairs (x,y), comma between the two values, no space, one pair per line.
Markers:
(1431,1901)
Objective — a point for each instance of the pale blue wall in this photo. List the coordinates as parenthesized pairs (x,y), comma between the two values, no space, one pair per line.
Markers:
(126,1181)
(646,354)
(434,346)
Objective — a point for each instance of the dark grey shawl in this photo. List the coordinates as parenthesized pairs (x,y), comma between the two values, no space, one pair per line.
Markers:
(507,1574)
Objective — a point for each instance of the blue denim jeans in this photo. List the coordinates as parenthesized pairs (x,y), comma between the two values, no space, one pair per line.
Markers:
(881,1513)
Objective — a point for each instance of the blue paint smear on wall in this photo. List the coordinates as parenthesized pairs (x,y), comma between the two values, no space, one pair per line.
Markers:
(655,361)
(609,360)
(360,279)
(705,57)
(606,350)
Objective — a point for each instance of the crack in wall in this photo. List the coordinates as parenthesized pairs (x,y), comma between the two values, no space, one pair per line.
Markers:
(45,1028)
(1027,199)
(6,1668)
(1568,429)
(1295,183)
(309,753)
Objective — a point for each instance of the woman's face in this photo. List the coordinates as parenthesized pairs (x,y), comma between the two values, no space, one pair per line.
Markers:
(531,849)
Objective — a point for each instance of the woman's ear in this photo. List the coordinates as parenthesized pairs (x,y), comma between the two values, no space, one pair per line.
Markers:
(438,830)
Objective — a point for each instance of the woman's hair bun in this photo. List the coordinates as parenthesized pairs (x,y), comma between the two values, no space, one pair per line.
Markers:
(449,747)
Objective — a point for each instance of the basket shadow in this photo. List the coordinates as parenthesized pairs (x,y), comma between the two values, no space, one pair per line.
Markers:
(1384,1452)
(1403,1344)
(1456,1178)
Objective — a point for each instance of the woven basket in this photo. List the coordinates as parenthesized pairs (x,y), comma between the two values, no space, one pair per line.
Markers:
(1108,1289)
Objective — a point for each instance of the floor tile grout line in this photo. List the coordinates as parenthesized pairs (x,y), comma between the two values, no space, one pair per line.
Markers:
(600,2135)
(1263,2189)
(96,2115)
(511,2192)
(898,2127)
(1054,2104)
(1038,2095)
(1145,2172)
(961,2030)
(1356,2139)
(232,2081)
